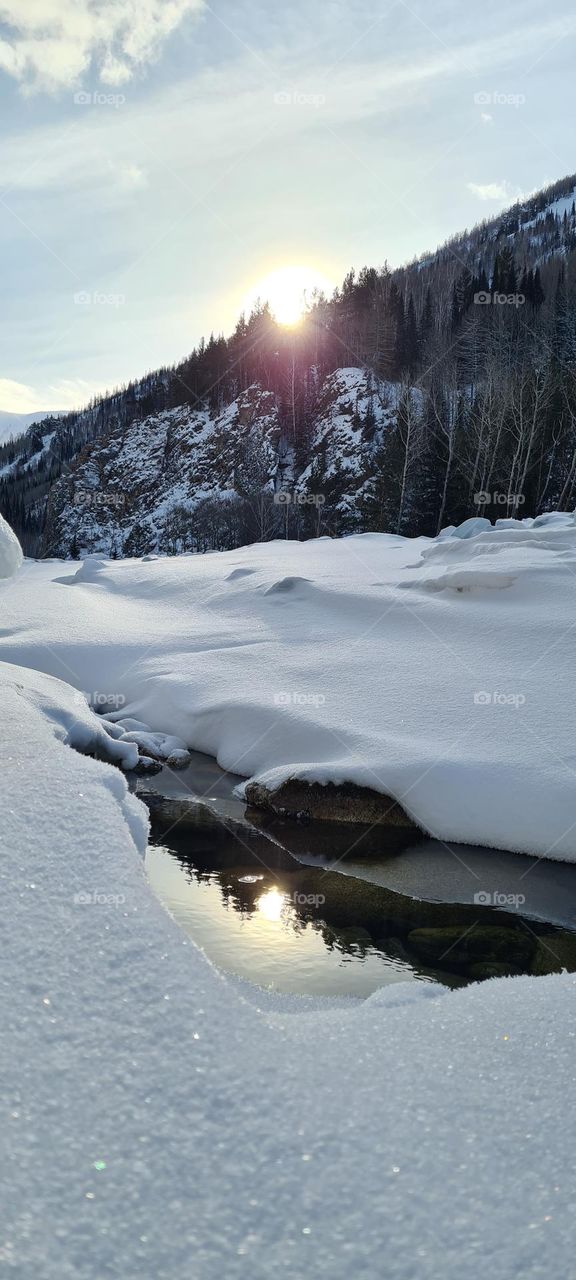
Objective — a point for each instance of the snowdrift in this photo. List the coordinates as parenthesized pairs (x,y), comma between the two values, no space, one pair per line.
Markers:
(10,551)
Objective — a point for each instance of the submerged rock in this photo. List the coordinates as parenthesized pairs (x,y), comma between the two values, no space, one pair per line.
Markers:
(555,952)
(485,947)
(344,802)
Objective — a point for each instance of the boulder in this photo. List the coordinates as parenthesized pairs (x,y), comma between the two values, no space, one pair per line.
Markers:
(343,802)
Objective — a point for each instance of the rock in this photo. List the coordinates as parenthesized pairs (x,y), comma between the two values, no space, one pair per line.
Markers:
(555,952)
(491,969)
(345,802)
(179,759)
(481,945)
(147,765)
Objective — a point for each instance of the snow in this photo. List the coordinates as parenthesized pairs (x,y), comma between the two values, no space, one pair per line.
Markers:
(10,551)
(161,1120)
(436,671)
(156,1122)
(15,424)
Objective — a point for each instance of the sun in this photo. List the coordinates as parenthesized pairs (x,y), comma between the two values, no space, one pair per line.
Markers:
(288,292)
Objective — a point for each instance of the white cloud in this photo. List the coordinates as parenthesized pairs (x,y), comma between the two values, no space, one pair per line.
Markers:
(18,397)
(501,191)
(55,42)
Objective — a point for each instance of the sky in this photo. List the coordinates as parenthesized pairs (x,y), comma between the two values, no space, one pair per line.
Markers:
(159,158)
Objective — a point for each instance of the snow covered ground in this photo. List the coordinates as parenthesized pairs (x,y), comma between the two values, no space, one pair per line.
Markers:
(157,1119)
(439,672)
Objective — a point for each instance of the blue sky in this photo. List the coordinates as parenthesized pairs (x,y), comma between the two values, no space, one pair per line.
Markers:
(212,144)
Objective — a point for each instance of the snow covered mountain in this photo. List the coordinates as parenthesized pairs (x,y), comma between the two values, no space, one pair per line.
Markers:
(15,424)
(404,403)
(189,479)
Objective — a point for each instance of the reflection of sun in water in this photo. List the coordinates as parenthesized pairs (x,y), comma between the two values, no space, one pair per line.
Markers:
(271,904)
(288,292)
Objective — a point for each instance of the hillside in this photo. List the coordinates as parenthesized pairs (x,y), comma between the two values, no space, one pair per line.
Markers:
(12,425)
(410,400)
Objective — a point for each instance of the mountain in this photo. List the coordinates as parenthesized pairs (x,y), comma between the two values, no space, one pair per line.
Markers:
(14,424)
(197,479)
(411,399)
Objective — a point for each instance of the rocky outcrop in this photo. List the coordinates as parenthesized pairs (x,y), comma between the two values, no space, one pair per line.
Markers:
(197,479)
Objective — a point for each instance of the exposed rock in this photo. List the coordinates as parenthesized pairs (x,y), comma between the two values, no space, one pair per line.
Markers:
(195,478)
(345,802)
(147,765)
(178,759)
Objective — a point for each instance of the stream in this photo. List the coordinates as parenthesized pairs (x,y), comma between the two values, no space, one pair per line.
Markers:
(330,909)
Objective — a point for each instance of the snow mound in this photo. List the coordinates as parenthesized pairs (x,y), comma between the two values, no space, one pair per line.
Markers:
(11,556)
(160,746)
(468,529)
(284,585)
(464,580)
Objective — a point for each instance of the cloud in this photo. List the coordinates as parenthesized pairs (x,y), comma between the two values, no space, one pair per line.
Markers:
(55,42)
(18,397)
(501,191)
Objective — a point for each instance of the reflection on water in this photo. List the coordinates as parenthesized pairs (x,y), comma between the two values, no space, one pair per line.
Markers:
(288,908)
(254,924)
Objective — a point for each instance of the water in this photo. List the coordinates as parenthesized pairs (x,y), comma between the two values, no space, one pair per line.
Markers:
(280,904)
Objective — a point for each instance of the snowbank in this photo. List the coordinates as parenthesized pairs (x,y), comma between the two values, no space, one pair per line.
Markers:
(10,551)
(156,1123)
(438,672)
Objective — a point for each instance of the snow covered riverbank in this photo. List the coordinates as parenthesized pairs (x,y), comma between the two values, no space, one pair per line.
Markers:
(439,673)
(159,1120)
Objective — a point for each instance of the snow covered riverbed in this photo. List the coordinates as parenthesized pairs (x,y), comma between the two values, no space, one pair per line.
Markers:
(440,672)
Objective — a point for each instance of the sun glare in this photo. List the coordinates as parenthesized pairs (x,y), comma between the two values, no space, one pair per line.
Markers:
(288,292)
(271,904)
